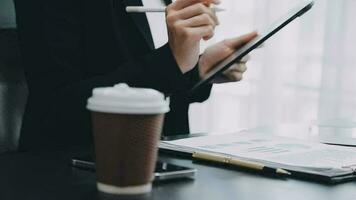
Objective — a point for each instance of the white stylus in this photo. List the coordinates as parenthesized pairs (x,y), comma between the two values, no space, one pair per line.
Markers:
(142,9)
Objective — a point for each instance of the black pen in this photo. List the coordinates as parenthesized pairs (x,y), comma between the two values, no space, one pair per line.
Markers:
(81,164)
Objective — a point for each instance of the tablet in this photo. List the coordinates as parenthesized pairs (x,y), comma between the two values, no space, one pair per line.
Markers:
(294,13)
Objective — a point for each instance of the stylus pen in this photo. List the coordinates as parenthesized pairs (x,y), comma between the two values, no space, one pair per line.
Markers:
(81,164)
(239,163)
(141,9)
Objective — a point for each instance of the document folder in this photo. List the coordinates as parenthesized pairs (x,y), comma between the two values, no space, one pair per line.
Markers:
(306,160)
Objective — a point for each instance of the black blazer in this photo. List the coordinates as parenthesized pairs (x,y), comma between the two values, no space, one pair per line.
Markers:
(70,47)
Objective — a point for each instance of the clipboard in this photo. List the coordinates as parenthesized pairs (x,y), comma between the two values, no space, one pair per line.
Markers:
(325,176)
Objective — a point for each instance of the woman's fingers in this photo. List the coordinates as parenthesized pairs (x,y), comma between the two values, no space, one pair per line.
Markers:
(238,42)
(235,72)
(197,21)
(238,67)
(195,10)
(245,59)
(180,4)
(234,76)
(200,32)
(193,22)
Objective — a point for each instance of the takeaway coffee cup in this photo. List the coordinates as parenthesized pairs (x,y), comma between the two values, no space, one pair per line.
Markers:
(127,123)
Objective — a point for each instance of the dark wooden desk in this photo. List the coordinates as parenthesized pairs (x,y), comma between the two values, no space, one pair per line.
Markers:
(37,176)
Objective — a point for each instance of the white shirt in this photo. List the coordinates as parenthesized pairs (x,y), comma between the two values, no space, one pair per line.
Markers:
(157,23)
(7,14)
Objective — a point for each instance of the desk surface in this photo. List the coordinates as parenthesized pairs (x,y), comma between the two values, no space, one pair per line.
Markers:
(48,176)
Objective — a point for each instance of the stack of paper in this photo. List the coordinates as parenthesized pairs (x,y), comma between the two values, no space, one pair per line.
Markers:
(285,152)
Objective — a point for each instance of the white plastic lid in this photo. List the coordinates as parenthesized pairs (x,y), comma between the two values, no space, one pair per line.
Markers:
(123,99)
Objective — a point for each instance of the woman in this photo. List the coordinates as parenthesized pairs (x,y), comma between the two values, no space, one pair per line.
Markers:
(72,46)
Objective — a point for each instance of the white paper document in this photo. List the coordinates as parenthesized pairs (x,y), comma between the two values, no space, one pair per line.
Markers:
(273,149)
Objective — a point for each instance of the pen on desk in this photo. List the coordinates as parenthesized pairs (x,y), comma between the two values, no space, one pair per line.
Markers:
(141,9)
(239,163)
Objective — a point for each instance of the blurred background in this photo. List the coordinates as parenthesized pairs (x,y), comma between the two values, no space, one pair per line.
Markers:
(304,74)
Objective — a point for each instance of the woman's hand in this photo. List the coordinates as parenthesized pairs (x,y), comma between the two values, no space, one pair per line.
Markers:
(188,22)
(218,52)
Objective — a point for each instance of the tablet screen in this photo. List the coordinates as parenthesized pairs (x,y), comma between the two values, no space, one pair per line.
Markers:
(263,36)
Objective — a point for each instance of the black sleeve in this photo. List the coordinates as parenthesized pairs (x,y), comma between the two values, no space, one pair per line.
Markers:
(200,95)
(157,70)
(55,42)
(143,72)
